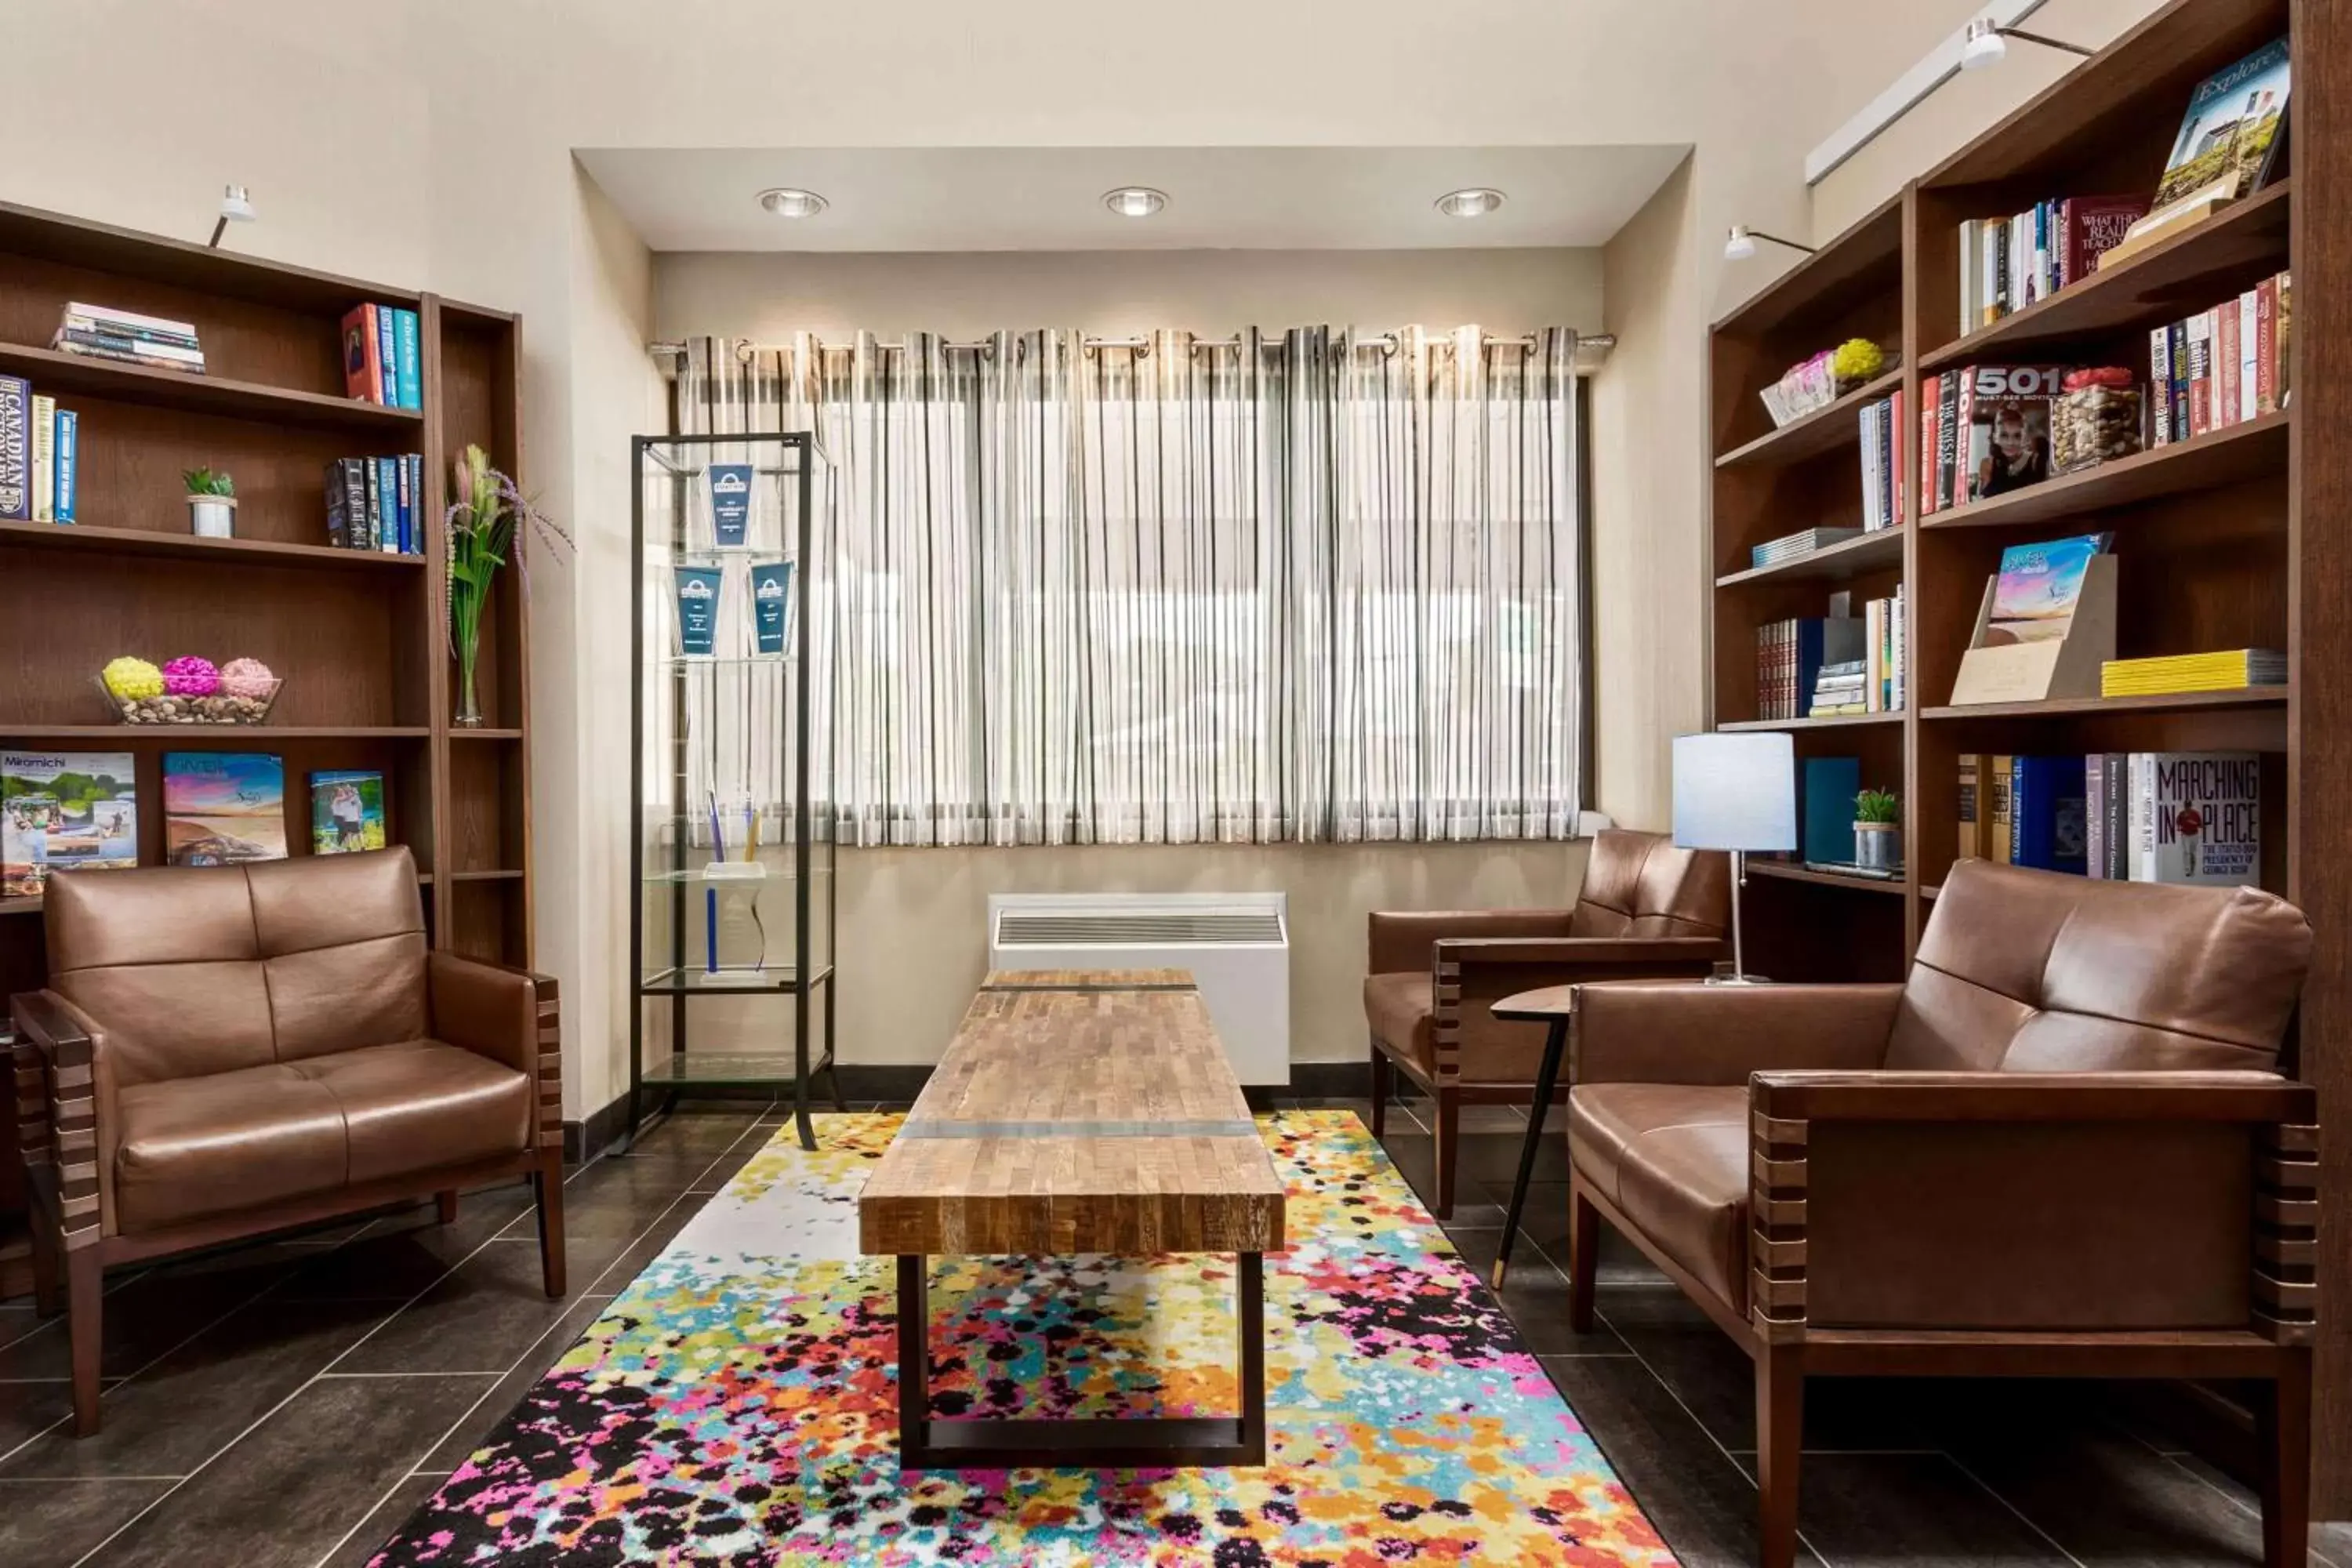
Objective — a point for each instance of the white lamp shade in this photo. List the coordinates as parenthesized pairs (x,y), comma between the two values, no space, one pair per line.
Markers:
(1736,791)
(1737,245)
(1983,46)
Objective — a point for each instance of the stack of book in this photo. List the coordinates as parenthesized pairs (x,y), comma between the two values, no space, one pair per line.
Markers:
(2234,670)
(1788,659)
(101,332)
(2220,367)
(2140,817)
(1882,468)
(1884,688)
(40,455)
(1838,689)
(1773,552)
(377,503)
(382,360)
(2008,263)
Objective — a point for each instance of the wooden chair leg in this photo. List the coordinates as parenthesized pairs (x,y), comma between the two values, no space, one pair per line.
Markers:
(446,1204)
(549,1183)
(85,1310)
(2282,1439)
(1780,1438)
(1583,1256)
(48,1275)
(1448,1149)
(1382,1086)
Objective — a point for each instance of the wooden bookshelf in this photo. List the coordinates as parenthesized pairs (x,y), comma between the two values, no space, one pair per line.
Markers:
(357,636)
(2231,540)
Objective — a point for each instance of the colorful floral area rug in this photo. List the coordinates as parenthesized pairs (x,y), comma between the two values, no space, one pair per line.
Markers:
(738,1404)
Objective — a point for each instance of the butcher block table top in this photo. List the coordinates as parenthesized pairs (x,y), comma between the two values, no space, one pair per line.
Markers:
(1078,1110)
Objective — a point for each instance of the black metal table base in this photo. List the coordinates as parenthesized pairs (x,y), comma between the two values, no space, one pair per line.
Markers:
(1148,1442)
(1546,1079)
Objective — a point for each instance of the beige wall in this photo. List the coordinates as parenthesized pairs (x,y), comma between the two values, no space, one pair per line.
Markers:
(929,904)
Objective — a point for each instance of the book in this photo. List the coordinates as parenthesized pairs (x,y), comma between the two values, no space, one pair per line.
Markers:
(2249,353)
(407,369)
(2200,373)
(2090,226)
(1797,545)
(1948,465)
(2266,354)
(224,808)
(387,482)
(2047,813)
(127,333)
(1995,807)
(2227,361)
(137,347)
(131,320)
(338,510)
(2106,777)
(362,369)
(2004,411)
(2034,596)
(387,352)
(1828,787)
(2230,669)
(45,457)
(2159,386)
(65,811)
(2195,817)
(2177,356)
(68,504)
(1975,769)
(346,813)
(15,448)
(2227,138)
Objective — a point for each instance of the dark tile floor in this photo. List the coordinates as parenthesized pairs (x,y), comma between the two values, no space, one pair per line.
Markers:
(286,1406)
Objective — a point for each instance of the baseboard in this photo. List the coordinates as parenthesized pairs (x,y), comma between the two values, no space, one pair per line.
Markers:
(1331,1080)
(592,1135)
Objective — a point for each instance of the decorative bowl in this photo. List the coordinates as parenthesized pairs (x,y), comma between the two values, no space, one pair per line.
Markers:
(219,708)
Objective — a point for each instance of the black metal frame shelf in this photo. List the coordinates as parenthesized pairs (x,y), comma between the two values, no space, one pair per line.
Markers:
(662,866)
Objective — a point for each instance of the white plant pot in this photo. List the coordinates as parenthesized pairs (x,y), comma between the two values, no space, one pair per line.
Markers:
(213,517)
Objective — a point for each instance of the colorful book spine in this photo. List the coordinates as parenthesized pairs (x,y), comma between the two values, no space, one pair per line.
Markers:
(15,448)
(2266,360)
(69,444)
(387,506)
(2200,373)
(2160,386)
(407,367)
(363,370)
(387,348)
(2047,804)
(1998,819)
(2177,336)
(2227,361)
(2249,340)
(45,457)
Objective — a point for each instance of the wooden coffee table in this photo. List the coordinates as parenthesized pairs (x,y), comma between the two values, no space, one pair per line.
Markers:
(1078,1112)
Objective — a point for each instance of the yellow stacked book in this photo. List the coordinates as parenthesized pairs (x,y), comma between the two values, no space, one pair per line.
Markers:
(2230,669)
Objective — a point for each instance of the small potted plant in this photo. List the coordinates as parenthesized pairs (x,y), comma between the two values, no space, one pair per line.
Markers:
(1877,830)
(211,503)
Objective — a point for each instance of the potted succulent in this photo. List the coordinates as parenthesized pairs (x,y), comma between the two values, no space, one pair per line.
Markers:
(1877,830)
(211,503)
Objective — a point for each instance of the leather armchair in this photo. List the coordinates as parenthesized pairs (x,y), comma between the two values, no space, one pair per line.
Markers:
(2057,1149)
(1646,909)
(222,1053)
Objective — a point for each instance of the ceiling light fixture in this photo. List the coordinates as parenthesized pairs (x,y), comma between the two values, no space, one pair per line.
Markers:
(1477,202)
(1136,201)
(1986,44)
(786,202)
(1740,243)
(237,206)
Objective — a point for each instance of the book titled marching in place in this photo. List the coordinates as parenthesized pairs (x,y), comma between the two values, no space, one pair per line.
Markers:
(2195,817)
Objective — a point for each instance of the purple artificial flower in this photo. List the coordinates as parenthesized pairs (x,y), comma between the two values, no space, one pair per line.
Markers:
(191,677)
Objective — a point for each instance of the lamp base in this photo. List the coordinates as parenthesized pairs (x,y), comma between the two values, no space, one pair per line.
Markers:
(1738,980)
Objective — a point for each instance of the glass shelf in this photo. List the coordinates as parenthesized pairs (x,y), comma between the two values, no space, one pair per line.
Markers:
(693,660)
(775,874)
(723,1067)
(776,980)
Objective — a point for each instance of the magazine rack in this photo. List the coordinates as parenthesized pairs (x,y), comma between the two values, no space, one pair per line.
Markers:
(2065,666)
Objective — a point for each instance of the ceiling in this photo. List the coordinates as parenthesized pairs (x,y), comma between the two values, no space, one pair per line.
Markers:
(1050,198)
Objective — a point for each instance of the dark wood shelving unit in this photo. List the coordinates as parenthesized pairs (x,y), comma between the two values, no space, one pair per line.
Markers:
(2229,540)
(357,636)
(1827,721)
(1833,564)
(1824,429)
(1787,872)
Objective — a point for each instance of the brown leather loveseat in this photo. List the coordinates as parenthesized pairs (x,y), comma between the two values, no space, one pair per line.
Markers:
(225,1052)
(2057,1149)
(1646,908)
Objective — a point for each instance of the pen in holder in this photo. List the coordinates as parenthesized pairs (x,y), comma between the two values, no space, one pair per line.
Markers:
(746,872)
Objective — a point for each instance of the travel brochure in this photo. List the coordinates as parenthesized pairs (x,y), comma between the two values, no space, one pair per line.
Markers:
(346,813)
(2034,598)
(65,811)
(224,808)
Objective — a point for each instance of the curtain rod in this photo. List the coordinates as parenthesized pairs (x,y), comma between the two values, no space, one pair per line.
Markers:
(1600,342)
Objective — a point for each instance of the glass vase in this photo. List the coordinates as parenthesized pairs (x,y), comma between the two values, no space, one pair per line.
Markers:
(469,708)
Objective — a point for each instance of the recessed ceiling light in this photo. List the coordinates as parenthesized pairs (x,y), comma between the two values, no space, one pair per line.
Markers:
(1135,201)
(1473,203)
(786,202)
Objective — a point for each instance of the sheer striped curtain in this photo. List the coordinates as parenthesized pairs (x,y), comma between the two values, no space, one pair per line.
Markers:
(1316,587)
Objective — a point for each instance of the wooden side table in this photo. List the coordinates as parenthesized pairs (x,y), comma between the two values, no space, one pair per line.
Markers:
(1550,1005)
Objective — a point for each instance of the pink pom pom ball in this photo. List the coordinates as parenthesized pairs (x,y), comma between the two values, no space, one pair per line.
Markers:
(191,677)
(245,677)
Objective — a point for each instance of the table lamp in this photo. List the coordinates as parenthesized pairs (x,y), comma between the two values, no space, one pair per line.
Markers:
(1736,791)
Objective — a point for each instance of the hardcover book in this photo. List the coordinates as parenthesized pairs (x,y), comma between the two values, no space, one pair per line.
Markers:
(2092,227)
(362,364)
(1830,785)
(2038,587)
(2046,806)
(45,457)
(65,811)
(68,504)
(2004,410)
(2195,817)
(223,808)
(346,813)
(15,448)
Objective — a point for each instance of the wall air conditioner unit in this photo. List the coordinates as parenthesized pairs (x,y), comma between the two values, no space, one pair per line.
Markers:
(1238,946)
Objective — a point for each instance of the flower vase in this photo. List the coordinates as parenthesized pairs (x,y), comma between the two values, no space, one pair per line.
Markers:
(469,707)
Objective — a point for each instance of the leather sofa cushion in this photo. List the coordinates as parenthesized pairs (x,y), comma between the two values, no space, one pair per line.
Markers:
(1399,1008)
(343,941)
(1674,1158)
(190,1148)
(166,960)
(1640,884)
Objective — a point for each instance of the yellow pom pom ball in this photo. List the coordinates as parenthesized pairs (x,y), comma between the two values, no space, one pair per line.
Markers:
(132,678)
(1857,358)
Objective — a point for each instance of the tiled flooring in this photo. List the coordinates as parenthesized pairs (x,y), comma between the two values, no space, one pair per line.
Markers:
(286,1406)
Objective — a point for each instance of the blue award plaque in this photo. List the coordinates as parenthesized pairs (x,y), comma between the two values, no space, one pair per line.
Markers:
(697,611)
(771,604)
(731,504)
